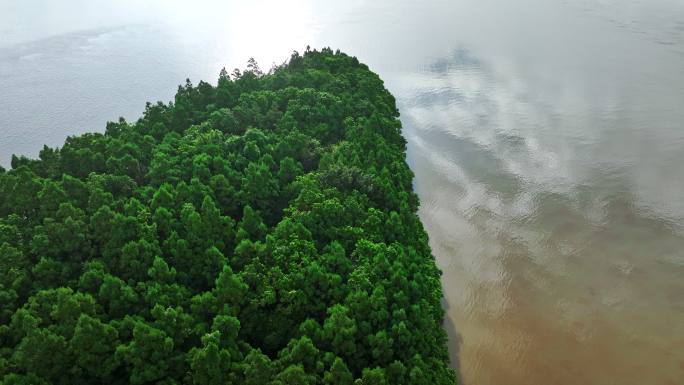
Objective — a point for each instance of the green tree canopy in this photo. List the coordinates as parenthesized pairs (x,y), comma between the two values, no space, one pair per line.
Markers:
(259,231)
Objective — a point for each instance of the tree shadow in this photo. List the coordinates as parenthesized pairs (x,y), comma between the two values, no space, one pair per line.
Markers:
(453,343)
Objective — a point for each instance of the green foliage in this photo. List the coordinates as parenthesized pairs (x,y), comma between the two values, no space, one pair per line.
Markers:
(260,231)
(93,346)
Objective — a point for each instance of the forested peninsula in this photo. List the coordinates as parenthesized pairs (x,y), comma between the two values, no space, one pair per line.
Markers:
(260,231)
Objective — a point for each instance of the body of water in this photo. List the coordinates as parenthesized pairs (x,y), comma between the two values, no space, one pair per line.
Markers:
(546,136)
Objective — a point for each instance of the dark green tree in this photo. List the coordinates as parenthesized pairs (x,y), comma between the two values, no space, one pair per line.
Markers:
(260,231)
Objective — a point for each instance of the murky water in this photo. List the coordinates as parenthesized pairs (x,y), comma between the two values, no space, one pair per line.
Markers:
(547,138)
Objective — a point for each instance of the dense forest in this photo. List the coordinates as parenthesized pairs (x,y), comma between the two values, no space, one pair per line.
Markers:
(260,231)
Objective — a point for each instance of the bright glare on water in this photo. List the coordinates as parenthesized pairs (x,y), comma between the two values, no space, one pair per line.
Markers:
(547,139)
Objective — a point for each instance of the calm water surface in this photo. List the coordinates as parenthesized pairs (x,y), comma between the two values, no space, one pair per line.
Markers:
(547,138)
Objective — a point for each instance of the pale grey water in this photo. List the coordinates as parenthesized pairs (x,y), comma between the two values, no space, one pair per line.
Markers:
(547,139)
